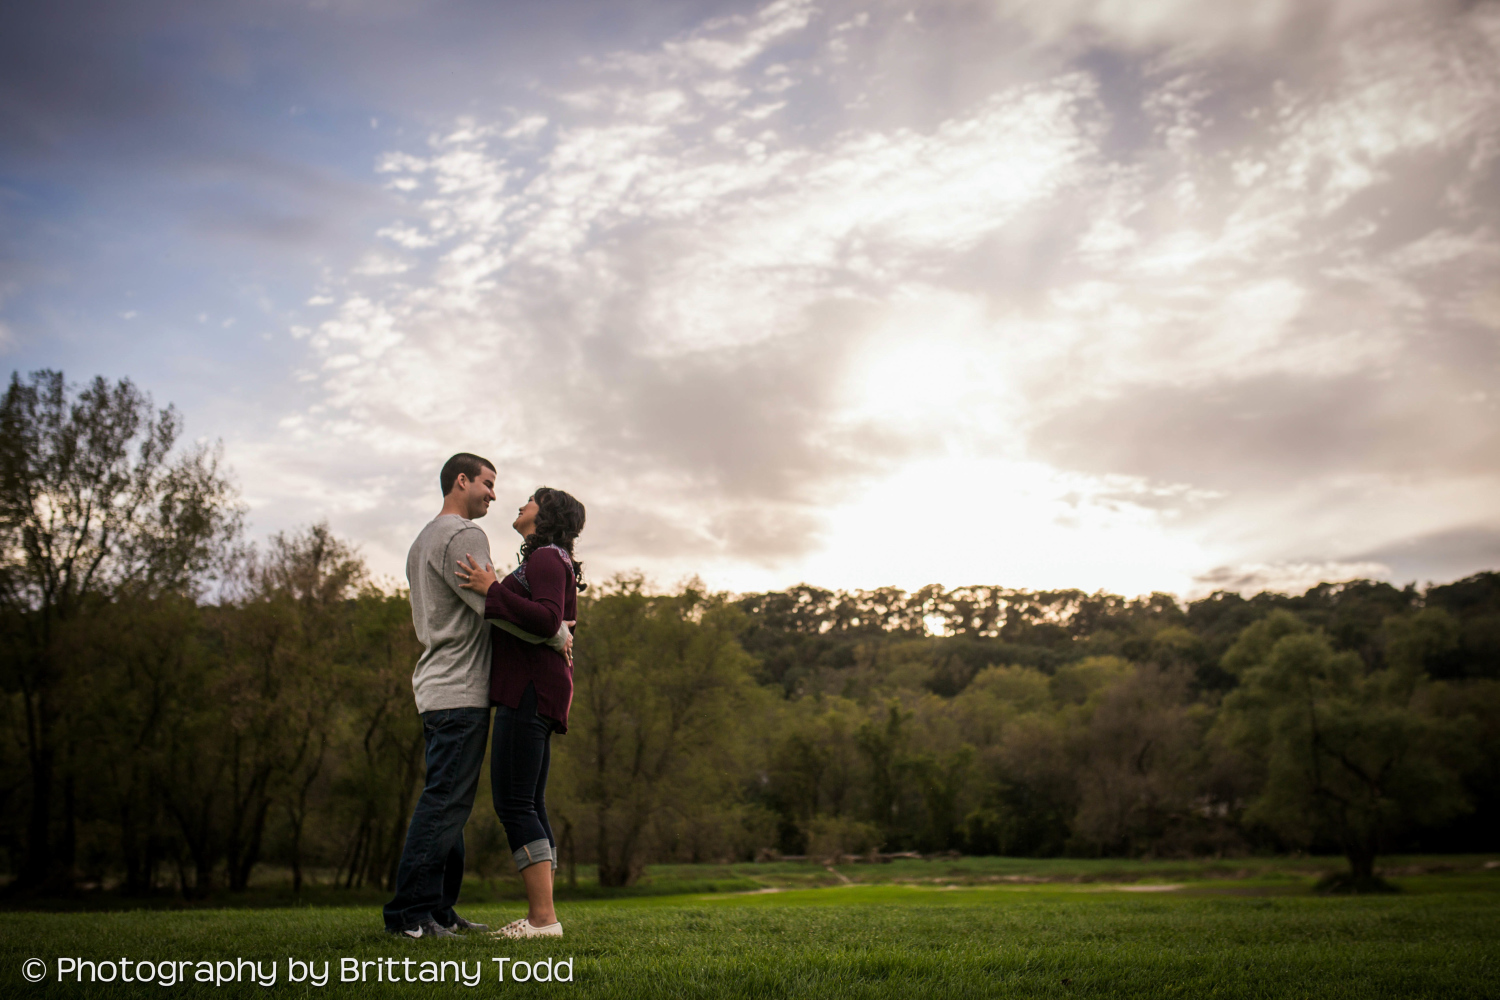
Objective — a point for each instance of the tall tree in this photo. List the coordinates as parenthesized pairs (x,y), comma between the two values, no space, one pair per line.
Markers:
(143,658)
(296,622)
(93,507)
(1348,755)
(378,757)
(658,682)
(1136,756)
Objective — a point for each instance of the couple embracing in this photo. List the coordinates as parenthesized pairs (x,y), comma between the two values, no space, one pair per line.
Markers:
(501,643)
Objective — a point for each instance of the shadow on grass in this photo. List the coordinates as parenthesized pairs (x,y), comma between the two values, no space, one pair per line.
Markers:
(476,891)
(1260,876)
(1349,884)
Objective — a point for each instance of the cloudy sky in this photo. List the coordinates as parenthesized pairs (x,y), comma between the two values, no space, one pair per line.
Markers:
(1168,294)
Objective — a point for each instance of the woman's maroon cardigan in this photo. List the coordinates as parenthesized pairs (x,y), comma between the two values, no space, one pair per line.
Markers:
(514,662)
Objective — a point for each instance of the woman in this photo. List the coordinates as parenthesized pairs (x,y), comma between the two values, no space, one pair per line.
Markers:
(531,687)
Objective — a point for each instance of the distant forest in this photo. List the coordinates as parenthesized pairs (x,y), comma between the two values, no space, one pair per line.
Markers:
(180,709)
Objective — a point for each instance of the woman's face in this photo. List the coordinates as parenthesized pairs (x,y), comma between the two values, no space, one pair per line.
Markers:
(525,522)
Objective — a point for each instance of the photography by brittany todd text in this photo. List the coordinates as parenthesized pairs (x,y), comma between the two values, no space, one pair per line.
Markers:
(310,972)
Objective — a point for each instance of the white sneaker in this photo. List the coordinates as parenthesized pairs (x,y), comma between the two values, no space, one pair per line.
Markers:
(524,928)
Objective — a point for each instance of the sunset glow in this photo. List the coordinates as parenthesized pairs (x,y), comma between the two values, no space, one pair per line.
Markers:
(1149,296)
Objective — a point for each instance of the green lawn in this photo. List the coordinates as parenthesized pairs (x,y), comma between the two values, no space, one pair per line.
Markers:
(1146,932)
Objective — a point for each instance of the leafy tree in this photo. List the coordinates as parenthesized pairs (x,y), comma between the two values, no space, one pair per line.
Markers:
(1476,706)
(255,731)
(1137,751)
(941,780)
(882,742)
(1425,642)
(1474,602)
(377,754)
(813,767)
(294,625)
(1348,755)
(94,508)
(661,687)
(1031,791)
(130,702)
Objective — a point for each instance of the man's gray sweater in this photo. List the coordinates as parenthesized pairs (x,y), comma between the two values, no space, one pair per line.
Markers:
(454,670)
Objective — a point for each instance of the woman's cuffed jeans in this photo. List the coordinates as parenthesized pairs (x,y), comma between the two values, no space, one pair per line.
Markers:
(520,755)
(432,862)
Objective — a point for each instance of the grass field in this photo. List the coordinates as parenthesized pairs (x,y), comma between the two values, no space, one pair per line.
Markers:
(971,927)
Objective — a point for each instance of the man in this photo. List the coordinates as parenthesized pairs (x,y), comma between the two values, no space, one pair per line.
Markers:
(452,686)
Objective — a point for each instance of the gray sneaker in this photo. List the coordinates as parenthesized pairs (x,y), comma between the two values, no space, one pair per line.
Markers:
(460,924)
(424,929)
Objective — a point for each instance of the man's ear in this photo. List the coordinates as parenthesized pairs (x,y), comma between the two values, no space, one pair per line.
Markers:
(460,484)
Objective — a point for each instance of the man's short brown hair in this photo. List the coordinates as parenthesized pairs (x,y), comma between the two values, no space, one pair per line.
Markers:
(462,464)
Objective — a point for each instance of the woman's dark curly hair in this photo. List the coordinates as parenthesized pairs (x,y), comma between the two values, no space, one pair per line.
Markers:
(559,519)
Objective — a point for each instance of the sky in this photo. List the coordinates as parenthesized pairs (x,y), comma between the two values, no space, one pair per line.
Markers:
(1166,295)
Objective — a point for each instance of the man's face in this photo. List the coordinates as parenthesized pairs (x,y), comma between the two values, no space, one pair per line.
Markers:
(477,494)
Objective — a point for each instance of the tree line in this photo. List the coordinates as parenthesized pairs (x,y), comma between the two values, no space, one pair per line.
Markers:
(180,708)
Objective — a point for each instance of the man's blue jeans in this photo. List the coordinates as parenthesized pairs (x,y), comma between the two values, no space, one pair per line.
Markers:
(432,863)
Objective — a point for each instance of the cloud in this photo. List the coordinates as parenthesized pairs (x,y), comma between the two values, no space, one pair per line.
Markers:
(1286,578)
(790,292)
(745,38)
(1275,431)
(1199,25)
(1443,555)
(661,298)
